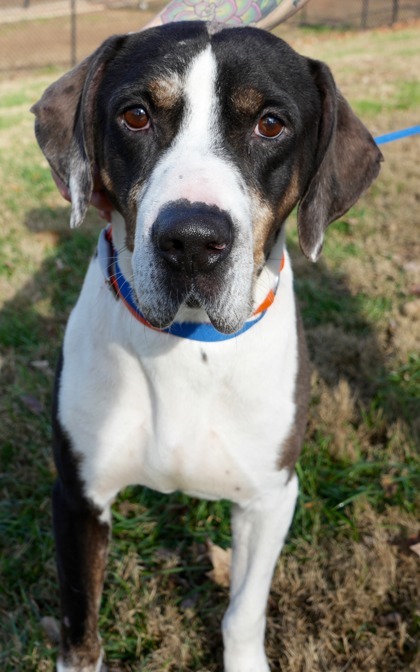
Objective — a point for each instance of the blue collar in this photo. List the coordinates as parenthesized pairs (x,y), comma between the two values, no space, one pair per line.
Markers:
(121,288)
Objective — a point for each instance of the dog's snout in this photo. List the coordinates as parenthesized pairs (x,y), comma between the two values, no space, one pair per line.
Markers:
(193,237)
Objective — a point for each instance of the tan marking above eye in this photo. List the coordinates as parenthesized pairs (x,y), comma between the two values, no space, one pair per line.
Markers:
(269,126)
(247,100)
(165,93)
(136,119)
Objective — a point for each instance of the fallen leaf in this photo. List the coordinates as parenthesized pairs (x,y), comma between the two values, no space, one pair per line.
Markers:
(412,309)
(32,403)
(405,544)
(125,507)
(390,620)
(40,364)
(221,561)
(309,505)
(189,602)
(51,628)
(388,484)
(416,549)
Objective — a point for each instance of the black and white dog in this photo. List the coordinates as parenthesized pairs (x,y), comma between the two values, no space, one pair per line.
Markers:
(184,366)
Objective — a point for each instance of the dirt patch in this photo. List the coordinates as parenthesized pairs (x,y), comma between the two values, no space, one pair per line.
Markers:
(47,42)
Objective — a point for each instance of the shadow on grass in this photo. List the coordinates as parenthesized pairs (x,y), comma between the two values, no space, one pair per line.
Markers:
(343,347)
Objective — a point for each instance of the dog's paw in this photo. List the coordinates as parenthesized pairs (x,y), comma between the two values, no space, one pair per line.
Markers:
(245,663)
(75,667)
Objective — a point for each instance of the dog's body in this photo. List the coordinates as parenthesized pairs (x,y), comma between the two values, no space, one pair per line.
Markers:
(205,143)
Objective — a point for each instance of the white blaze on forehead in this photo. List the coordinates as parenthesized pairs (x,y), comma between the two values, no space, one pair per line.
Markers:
(191,169)
(200,94)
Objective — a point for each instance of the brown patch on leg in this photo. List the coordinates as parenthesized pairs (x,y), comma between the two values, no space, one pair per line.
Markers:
(81,544)
(81,540)
(290,450)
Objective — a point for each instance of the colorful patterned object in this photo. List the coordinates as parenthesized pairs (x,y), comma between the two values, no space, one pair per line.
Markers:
(231,12)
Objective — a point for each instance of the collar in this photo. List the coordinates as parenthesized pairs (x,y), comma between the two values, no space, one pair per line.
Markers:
(196,331)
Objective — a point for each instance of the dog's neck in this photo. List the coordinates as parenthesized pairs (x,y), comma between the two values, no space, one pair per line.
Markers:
(266,283)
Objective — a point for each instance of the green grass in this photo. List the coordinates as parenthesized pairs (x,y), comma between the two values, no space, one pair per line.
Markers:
(405,97)
(15,99)
(359,470)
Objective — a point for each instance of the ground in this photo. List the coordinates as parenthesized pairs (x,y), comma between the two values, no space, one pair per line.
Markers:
(42,41)
(345,594)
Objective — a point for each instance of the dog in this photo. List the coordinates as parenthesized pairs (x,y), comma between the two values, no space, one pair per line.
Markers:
(184,365)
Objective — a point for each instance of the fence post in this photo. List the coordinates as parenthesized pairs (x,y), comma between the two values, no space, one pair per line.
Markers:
(395,7)
(365,13)
(73,36)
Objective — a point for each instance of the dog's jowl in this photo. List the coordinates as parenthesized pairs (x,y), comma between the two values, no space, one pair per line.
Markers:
(184,365)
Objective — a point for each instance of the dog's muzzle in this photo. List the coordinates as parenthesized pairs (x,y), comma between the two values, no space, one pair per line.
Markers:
(192,238)
(192,258)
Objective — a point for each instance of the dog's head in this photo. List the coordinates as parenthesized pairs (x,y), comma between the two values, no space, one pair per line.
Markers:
(205,141)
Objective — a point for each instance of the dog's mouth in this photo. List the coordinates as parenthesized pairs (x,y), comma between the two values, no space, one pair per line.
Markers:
(169,303)
(193,303)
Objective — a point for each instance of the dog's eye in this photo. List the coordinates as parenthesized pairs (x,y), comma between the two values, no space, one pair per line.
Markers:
(269,126)
(136,119)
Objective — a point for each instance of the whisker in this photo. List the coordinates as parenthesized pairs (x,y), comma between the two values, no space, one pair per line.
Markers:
(120,250)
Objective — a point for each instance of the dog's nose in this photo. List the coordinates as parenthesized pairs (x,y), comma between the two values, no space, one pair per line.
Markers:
(193,237)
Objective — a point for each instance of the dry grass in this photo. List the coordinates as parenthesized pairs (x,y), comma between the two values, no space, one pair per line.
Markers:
(346,593)
(344,605)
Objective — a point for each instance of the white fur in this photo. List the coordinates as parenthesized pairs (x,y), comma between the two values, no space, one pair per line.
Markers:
(142,407)
(192,169)
(76,196)
(141,428)
(259,531)
(97,667)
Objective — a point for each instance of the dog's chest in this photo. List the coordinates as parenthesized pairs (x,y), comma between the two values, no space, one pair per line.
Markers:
(204,433)
(206,419)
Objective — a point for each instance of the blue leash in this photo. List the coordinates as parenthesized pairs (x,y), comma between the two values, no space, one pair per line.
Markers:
(397,135)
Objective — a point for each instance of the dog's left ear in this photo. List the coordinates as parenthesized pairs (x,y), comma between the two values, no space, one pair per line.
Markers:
(347,162)
(64,125)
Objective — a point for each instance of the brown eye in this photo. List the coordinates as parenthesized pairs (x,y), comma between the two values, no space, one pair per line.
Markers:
(269,126)
(137,119)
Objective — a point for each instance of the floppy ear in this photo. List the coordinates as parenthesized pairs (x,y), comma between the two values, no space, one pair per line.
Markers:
(64,125)
(347,162)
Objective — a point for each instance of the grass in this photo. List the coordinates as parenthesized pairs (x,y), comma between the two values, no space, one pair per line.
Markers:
(345,593)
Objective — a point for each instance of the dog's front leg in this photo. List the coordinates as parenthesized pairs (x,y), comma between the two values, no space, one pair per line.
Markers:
(81,546)
(259,530)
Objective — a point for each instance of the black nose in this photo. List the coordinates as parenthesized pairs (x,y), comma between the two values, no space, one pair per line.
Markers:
(193,237)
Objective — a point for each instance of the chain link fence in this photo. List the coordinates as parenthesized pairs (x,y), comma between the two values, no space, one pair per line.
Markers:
(43,33)
(357,14)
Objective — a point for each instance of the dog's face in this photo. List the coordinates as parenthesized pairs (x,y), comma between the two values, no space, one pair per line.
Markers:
(205,143)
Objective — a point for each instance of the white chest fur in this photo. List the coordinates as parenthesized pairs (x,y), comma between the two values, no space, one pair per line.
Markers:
(173,414)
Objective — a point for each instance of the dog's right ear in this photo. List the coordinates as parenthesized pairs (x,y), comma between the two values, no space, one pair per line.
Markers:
(64,125)
(347,162)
